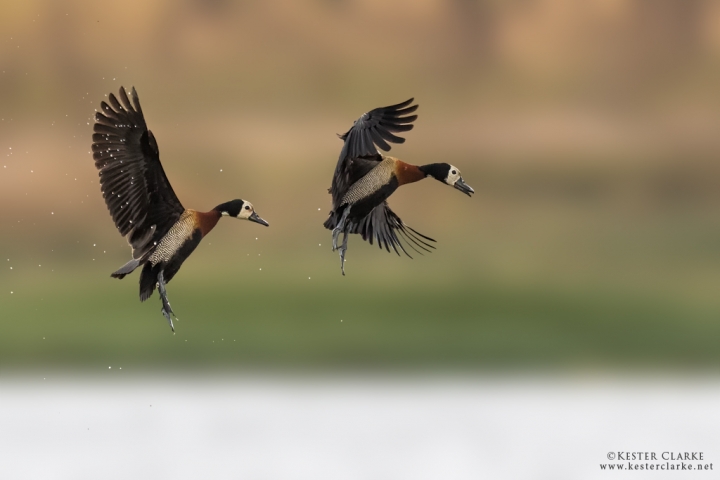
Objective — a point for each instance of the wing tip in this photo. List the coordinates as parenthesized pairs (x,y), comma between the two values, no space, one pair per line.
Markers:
(402,105)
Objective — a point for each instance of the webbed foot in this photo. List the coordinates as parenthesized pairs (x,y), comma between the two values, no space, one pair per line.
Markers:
(342,260)
(168,314)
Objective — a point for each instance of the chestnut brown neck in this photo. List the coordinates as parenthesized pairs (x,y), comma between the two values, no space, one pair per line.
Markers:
(407,173)
(206,221)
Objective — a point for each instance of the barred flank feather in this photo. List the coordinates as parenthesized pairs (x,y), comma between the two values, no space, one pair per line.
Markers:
(174,239)
(371,182)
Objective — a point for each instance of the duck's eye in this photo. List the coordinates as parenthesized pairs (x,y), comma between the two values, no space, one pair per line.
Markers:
(247,207)
(454,172)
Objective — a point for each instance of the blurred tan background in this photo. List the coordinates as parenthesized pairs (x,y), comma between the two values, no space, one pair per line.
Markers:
(589,131)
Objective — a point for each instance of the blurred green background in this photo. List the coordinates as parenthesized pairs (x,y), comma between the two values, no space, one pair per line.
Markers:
(589,131)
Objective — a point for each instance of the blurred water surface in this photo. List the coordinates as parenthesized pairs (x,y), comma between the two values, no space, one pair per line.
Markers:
(120,425)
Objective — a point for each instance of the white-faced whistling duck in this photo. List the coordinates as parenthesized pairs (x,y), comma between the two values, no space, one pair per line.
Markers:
(143,205)
(364,179)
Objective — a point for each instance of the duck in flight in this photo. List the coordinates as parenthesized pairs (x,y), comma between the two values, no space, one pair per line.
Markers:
(364,178)
(143,205)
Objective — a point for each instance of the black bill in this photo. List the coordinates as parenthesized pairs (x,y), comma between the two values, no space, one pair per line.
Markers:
(256,218)
(464,187)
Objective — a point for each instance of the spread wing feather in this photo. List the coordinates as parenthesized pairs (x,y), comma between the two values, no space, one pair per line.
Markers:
(371,131)
(385,227)
(136,190)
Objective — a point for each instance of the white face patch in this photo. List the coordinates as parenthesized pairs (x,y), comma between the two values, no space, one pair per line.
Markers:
(224,214)
(246,211)
(453,175)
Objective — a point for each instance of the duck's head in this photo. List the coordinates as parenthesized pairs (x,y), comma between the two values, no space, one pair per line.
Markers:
(448,174)
(241,209)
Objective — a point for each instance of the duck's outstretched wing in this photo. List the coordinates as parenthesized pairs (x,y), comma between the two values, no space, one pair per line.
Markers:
(385,227)
(137,193)
(371,131)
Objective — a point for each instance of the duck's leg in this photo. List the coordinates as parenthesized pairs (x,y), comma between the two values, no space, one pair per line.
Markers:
(166,310)
(343,248)
(340,227)
(336,232)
